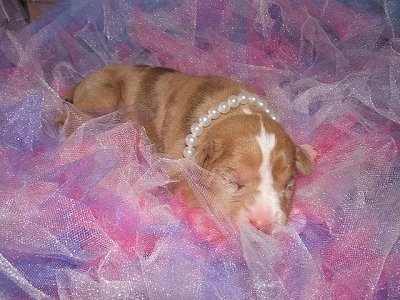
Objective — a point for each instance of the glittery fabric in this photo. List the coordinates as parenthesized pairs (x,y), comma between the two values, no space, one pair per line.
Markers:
(91,217)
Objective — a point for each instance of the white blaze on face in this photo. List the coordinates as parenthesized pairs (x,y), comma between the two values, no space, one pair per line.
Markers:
(266,208)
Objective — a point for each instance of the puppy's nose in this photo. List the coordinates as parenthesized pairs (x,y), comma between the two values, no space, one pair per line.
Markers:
(265,222)
(265,227)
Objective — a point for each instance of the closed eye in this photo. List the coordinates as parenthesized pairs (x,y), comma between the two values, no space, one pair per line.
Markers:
(239,186)
(233,182)
(289,187)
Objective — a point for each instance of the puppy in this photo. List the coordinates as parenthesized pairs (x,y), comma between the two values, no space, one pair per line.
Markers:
(218,123)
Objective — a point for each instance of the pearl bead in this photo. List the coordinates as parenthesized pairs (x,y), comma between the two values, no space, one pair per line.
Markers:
(214,113)
(233,101)
(188,152)
(191,140)
(261,104)
(243,98)
(254,99)
(196,129)
(204,121)
(251,99)
(224,107)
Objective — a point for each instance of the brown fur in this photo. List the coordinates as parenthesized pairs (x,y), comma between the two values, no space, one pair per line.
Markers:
(172,102)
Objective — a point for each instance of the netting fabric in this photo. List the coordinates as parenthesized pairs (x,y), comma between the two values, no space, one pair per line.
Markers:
(91,216)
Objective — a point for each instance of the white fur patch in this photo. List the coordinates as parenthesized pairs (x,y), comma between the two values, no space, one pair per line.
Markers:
(247,111)
(268,199)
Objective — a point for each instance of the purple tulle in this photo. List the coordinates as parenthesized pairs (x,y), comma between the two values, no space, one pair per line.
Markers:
(91,216)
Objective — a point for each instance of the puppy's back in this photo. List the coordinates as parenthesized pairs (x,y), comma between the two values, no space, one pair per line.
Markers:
(164,101)
(114,86)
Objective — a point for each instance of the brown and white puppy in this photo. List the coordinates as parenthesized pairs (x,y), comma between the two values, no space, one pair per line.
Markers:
(246,147)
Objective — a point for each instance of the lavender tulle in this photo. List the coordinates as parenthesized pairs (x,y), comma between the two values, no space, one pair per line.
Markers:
(91,216)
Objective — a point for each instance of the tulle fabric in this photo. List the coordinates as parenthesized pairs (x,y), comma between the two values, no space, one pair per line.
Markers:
(91,216)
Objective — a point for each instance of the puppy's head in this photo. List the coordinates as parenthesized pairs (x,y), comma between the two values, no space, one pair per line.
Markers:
(257,162)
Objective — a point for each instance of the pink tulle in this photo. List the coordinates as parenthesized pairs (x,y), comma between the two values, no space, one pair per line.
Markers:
(91,216)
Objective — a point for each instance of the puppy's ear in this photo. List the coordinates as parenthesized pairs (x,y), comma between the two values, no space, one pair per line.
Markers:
(205,154)
(305,157)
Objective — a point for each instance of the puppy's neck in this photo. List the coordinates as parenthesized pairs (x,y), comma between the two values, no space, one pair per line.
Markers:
(223,108)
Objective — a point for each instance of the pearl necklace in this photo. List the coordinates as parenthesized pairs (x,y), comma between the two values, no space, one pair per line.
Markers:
(215,112)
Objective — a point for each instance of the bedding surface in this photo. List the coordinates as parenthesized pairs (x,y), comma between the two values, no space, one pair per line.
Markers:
(91,217)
